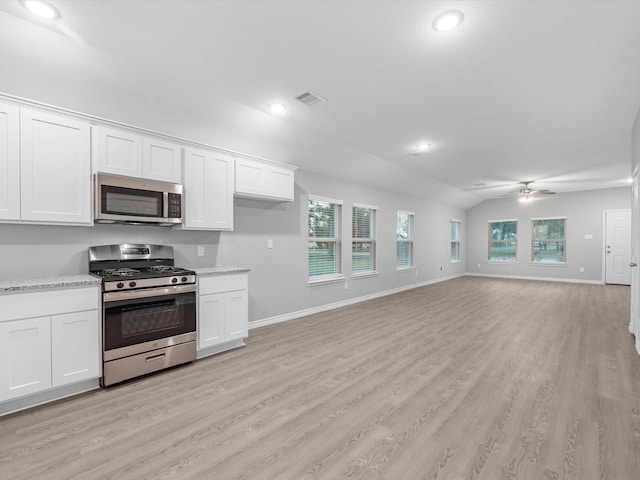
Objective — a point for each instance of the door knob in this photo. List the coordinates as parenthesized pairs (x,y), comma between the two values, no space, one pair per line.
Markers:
(633,264)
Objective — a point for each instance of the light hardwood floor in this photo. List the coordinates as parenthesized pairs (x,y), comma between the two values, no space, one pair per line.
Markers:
(473,378)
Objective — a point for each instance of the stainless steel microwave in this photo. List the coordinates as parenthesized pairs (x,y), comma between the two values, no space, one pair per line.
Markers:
(137,201)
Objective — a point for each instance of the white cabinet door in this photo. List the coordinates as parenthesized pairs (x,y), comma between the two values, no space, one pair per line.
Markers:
(56,169)
(25,357)
(223,309)
(208,184)
(260,179)
(280,183)
(9,163)
(161,160)
(117,151)
(211,317)
(75,346)
(236,315)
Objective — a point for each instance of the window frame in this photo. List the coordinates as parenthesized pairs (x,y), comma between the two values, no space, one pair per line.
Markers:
(534,239)
(371,239)
(455,241)
(336,240)
(491,241)
(409,241)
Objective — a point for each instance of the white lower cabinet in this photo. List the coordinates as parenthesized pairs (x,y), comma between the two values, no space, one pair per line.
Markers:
(74,340)
(38,351)
(223,315)
(25,352)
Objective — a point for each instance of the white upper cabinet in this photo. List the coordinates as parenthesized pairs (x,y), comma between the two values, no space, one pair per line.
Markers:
(55,154)
(122,152)
(264,180)
(117,151)
(9,163)
(161,160)
(208,185)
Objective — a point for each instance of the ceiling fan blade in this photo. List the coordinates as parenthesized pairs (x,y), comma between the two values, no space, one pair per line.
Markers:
(543,192)
(510,194)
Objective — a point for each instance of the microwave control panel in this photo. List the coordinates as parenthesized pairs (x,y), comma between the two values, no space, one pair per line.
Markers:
(175,205)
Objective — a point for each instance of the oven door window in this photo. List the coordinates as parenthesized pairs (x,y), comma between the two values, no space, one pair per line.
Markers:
(133,321)
(132,202)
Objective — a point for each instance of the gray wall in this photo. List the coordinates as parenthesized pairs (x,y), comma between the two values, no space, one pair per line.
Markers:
(278,278)
(585,214)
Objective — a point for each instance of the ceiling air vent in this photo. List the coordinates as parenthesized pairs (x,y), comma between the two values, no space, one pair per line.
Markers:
(310,99)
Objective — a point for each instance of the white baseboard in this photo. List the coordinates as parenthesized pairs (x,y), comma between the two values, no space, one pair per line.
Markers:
(331,306)
(545,279)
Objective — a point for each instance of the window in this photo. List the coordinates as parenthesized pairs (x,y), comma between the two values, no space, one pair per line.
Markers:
(363,239)
(324,238)
(548,240)
(455,240)
(404,239)
(503,240)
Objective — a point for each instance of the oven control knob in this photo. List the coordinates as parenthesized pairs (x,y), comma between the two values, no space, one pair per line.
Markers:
(120,285)
(174,280)
(184,279)
(132,284)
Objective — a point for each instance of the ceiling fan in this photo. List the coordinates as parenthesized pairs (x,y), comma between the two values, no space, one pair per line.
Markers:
(525,193)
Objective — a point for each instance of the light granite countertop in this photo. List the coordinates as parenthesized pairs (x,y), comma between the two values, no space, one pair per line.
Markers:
(69,281)
(220,270)
(47,283)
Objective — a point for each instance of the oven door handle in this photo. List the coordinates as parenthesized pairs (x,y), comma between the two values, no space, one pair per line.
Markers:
(146,293)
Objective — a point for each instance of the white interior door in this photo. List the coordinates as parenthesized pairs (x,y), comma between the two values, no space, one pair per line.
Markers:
(618,247)
(634,324)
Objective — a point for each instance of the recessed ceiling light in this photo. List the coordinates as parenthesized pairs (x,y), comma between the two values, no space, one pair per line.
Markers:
(448,20)
(41,8)
(423,147)
(629,180)
(277,108)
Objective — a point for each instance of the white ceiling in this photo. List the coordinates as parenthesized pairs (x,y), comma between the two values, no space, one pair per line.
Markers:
(523,90)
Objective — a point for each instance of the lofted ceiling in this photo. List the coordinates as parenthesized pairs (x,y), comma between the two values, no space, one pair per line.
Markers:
(543,91)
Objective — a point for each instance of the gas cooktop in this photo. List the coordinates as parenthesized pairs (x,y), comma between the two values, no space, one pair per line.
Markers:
(134,266)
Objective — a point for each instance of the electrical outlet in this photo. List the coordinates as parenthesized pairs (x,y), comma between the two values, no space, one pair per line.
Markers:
(201,250)
(581,269)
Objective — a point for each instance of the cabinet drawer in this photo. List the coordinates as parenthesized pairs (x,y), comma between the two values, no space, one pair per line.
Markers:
(223,283)
(46,303)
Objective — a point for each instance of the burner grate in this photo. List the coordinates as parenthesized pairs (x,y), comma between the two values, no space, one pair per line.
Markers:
(121,272)
(162,268)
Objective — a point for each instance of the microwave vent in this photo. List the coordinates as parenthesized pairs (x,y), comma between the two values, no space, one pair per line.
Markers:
(310,99)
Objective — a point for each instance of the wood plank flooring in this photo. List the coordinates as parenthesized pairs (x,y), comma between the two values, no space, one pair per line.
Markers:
(473,378)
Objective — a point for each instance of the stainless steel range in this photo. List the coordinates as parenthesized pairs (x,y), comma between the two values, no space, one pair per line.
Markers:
(149,310)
